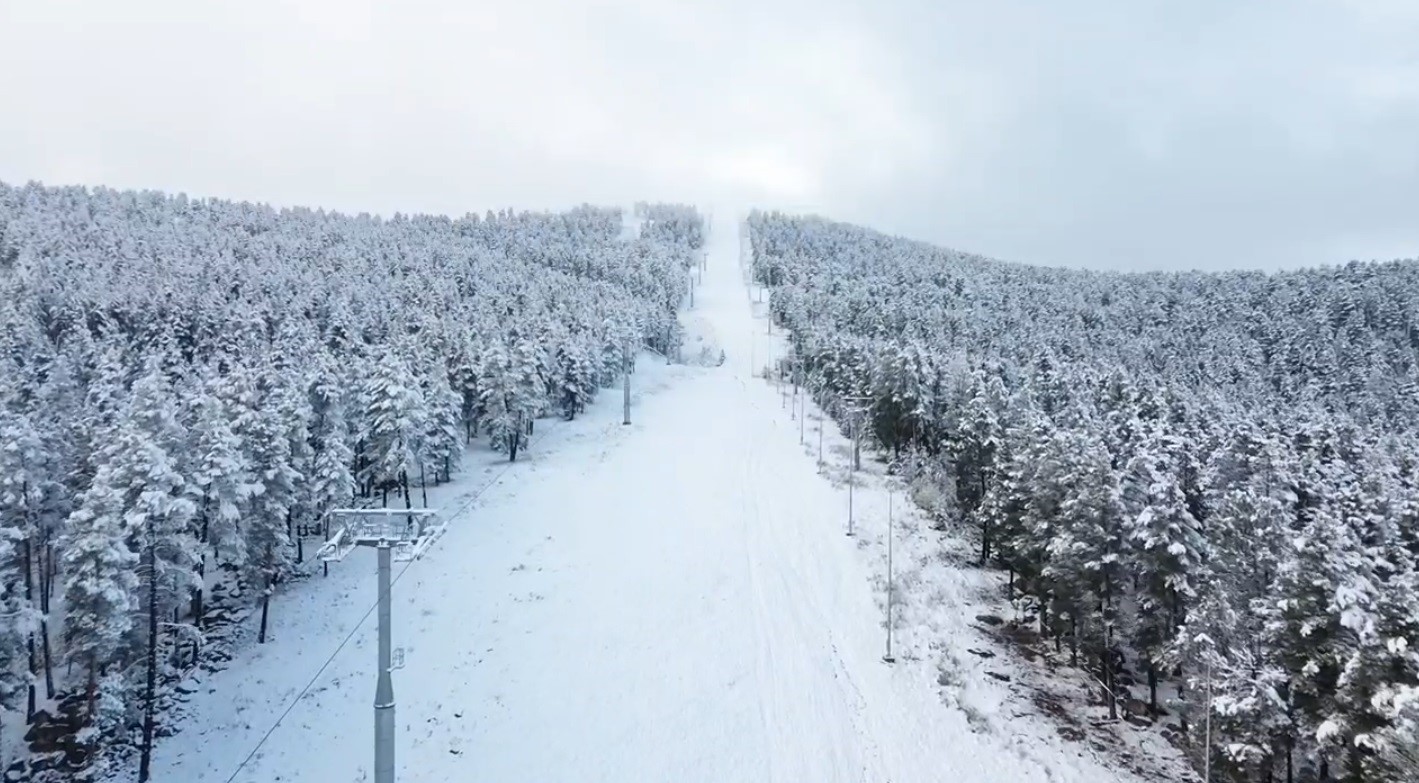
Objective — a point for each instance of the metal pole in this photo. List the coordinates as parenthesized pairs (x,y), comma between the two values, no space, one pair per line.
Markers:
(820,440)
(851,474)
(790,401)
(384,689)
(626,385)
(857,440)
(888,657)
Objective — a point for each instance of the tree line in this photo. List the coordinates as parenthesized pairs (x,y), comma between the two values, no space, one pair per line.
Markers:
(1204,488)
(190,384)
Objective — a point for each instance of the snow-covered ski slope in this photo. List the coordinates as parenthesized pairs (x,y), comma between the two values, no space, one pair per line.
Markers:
(671,601)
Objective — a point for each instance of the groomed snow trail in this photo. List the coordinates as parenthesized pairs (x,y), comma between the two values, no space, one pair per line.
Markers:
(670,601)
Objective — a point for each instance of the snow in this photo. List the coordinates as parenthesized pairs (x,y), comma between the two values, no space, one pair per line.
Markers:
(671,600)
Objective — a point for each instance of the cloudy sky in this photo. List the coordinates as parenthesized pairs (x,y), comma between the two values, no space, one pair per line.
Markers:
(1127,134)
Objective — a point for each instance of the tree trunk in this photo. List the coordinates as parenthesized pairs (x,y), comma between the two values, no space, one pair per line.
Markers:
(1152,687)
(197,591)
(195,603)
(91,689)
(1290,757)
(984,539)
(46,595)
(1182,691)
(516,436)
(151,685)
(1106,671)
(408,503)
(423,484)
(48,660)
(265,611)
(29,600)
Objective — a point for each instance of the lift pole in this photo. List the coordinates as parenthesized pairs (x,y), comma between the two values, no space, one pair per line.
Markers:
(384,686)
(888,657)
(411,537)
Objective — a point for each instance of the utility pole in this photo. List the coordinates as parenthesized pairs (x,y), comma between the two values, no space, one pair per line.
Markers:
(384,685)
(820,429)
(888,657)
(626,383)
(857,408)
(798,381)
(857,442)
(802,419)
(391,539)
(820,441)
(788,402)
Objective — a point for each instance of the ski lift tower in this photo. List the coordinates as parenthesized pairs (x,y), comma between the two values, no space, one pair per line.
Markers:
(858,407)
(398,534)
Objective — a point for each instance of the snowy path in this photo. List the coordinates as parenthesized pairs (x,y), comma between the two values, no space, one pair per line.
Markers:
(670,601)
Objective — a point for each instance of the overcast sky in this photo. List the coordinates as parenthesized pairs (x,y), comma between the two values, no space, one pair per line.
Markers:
(1130,134)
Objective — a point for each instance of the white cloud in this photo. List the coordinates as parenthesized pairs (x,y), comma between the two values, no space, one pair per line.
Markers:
(1107,134)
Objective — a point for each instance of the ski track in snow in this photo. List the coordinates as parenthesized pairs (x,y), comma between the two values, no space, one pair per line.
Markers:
(671,601)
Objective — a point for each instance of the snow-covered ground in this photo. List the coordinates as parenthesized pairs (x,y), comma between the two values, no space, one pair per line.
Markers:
(673,600)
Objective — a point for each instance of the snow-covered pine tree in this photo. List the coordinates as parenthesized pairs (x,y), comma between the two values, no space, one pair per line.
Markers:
(442,442)
(296,415)
(975,448)
(332,480)
(100,580)
(1085,567)
(1321,598)
(221,485)
(60,400)
(158,512)
(22,495)
(127,546)
(263,429)
(19,495)
(511,395)
(1382,617)
(393,425)
(1167,546)
(466,376)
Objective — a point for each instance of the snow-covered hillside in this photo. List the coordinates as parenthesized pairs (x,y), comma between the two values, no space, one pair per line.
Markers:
(672,600)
